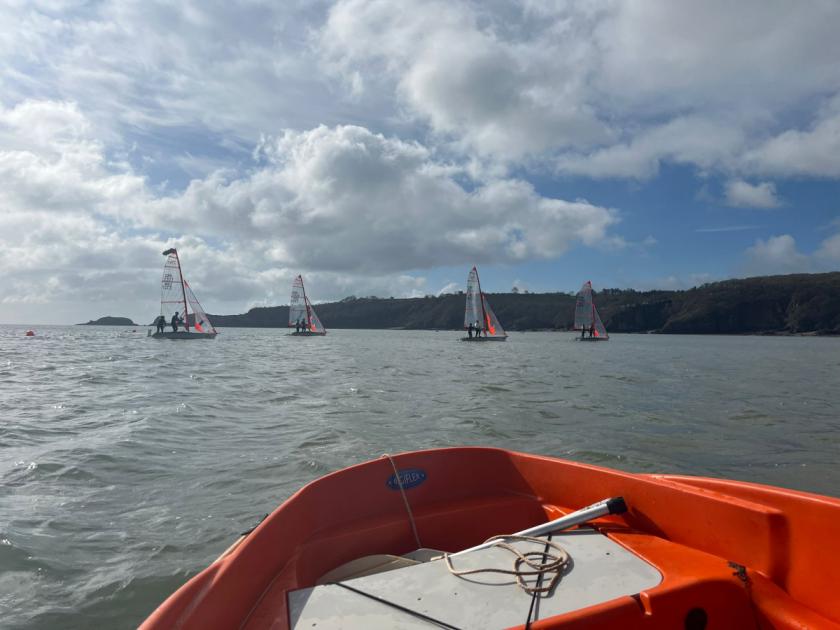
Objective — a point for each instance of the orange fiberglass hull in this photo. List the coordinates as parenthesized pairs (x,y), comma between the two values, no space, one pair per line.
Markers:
(746,555)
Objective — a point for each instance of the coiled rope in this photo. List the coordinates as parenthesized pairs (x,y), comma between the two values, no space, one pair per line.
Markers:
(540,563)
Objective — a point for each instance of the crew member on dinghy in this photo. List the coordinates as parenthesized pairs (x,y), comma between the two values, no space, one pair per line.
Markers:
(175,321)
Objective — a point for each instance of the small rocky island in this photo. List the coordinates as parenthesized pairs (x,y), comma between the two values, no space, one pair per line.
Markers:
(110,321)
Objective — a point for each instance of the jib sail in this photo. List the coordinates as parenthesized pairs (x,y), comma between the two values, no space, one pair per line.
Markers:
(315,324)
(491,322)
(201,322)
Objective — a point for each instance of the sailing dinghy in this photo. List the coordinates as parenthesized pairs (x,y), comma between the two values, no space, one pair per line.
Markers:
(478,316)
(302,316)
(176,296)
(586,316)
(362,548)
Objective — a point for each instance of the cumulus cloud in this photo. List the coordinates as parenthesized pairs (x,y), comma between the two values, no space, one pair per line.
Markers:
(452,287)
(479,77)
(812,151)
(829,250)
(776,255)
(780,254)
(345,198)
(744,57)
(454,67)
(50,160)
(685,140)
(226,66)
(588,88)
(742,194)
(359,208)
(580,87)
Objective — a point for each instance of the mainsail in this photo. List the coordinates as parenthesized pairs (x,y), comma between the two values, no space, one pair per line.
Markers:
(301,312)
(173,298)
(478,312)
(176,296)
(297,305)
(473,314)
(586,315)
(583,307)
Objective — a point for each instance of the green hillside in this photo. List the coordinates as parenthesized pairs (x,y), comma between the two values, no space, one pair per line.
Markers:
(801,303)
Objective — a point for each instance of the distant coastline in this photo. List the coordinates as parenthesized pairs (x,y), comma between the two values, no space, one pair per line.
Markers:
(108,320)
(798,304)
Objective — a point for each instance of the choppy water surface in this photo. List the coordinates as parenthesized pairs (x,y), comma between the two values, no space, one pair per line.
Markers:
(128,464)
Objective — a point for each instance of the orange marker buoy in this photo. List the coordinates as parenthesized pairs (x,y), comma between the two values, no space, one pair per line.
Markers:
(30,333)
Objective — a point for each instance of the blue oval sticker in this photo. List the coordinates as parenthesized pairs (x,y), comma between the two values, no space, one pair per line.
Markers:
(409,478)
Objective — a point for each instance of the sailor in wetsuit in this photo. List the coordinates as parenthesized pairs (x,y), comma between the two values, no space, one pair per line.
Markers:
(591,330)
(160,322)
(175,321)
(470,330)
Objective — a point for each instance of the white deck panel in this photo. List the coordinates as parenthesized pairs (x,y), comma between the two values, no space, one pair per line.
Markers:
(601,570)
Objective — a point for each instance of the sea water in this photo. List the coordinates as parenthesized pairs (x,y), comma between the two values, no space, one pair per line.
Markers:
(128,464)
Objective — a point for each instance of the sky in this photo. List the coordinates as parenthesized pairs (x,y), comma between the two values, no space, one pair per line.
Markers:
(383,148)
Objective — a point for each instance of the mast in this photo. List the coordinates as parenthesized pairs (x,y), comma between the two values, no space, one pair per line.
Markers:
(183,290)
(481,300)
(305,305)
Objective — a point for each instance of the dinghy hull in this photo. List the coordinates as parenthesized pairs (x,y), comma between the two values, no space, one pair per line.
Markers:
(182,334)
(484,338)
(710,553)
(307,333)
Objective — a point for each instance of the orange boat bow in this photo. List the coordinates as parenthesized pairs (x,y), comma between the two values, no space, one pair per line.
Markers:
(731,554)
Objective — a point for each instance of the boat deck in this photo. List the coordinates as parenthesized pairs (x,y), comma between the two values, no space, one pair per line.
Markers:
(600,570)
